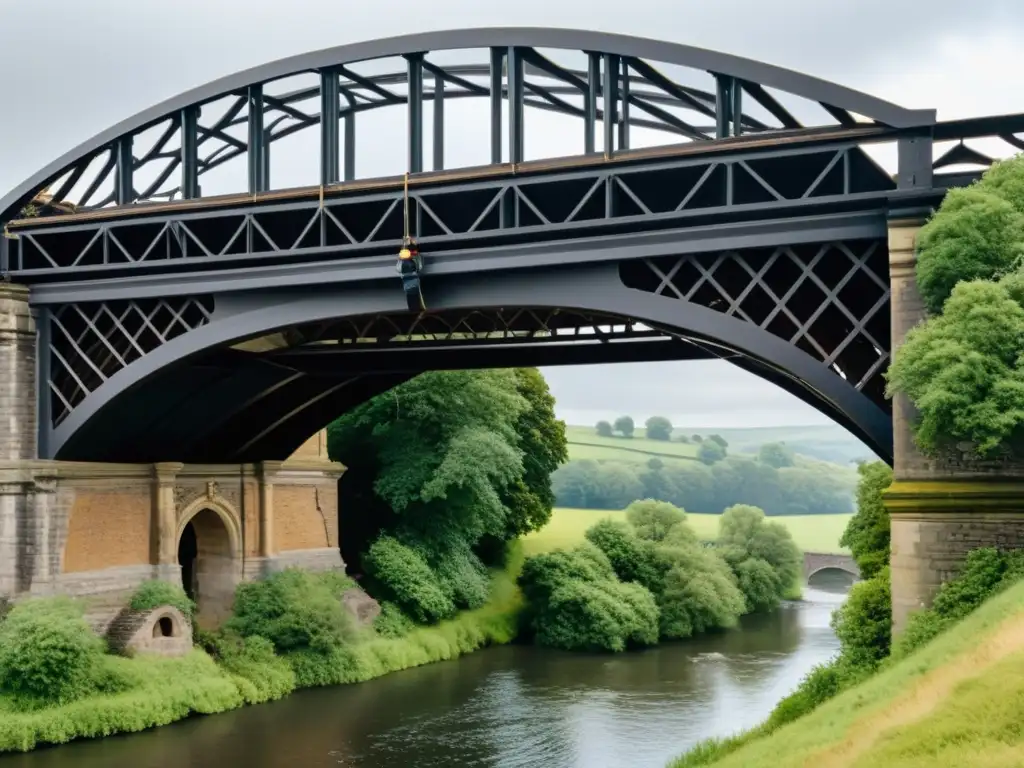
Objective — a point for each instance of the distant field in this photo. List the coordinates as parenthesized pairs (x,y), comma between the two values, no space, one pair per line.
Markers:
(585,443)
(812,533)
(825,442)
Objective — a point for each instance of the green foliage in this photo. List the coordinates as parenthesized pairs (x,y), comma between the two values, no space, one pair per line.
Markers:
(259,674)
(821,684)
(652,520)
(156,593)
(696,596)
(295,610)
(718,439)
(391,622)
(864,622)
(631,558)
(602,615)
(405,577)
(604,429)
(867,533)
(745,534)
(985,572)
(540,437)
(963,370)
(975,235)
(760,584)
(808,488)
(658,428)
(625,426)
(776,455)
(710,452)
(48,653)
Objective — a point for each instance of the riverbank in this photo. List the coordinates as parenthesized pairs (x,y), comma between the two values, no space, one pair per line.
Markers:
(955,702)
(145,692)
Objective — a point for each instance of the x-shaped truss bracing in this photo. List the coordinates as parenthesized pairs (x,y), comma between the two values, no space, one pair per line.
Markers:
(831,300)
(89,343)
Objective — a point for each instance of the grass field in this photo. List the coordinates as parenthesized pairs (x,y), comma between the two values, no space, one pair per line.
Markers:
(812,533)
(585,443)
(956,703)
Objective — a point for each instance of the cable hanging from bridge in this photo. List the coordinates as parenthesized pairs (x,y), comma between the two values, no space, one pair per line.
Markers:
(409,261)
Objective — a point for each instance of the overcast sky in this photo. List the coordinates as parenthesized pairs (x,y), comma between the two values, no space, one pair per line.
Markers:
(74,68)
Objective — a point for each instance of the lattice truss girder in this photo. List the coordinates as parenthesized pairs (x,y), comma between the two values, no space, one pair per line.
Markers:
(88,343)
(166,158)
(830,300)
(757,181)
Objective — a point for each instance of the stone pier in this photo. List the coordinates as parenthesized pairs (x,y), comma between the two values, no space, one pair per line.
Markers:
(941,507)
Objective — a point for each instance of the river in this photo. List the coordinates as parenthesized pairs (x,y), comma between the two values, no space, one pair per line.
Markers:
(508,707)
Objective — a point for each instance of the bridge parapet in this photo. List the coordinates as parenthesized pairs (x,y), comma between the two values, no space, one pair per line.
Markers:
(814,562)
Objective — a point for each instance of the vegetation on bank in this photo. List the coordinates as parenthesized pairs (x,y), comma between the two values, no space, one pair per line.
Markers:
(647,579)
(774,479)
(58,682)
(964,366)
(811,533)
(863,626)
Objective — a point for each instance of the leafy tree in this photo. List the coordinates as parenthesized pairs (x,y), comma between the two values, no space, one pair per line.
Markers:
(744,534)
(697,438)
(632,558)
(683,439)
(604,429)
(864,623)
(710,452)
(976,234)
(719,439)
(652,520)
(658,428)
(541,438)
(776,455)
(964,370)
(867,533)
(625,426)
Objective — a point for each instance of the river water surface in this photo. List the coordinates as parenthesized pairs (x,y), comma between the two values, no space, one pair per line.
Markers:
(509,707)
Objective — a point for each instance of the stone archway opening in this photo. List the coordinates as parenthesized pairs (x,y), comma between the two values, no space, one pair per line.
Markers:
(164,627)
(830,579)
(208,568)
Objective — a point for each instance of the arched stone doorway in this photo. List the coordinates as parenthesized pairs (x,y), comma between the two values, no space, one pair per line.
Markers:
(207,554)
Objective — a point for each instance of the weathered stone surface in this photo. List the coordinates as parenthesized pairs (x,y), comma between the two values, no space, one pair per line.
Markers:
(163,631)
(936,524)
(363,607)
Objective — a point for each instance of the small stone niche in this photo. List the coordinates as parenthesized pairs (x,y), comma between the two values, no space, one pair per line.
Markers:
(162,631)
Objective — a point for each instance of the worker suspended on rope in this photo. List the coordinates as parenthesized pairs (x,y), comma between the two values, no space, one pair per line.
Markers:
(409,263)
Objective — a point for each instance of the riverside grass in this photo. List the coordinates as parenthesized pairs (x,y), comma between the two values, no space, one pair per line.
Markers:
(160,691)
(957,701)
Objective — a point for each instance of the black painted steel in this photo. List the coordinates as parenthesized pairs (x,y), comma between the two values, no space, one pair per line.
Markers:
(230,328)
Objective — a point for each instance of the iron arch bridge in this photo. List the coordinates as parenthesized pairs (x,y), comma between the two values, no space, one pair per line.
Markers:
(709,206)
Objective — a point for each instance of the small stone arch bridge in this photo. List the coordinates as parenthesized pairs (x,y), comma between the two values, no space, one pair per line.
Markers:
(818,562)
(175,296)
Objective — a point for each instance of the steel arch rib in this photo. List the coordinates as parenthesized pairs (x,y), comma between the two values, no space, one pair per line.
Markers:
(588,288)
(659,51)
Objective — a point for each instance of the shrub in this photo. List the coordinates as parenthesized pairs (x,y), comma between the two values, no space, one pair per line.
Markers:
(542,574)
(864,623)
(867,533)
(759,584)
(156,593)
(406,578)
(631,558)
(821,684)
(652,519)
(974,235)
(696,600)
(48,652)
(597,616)
(391,622)
(744,534)
(462,577)
(259,674)
(294,610)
